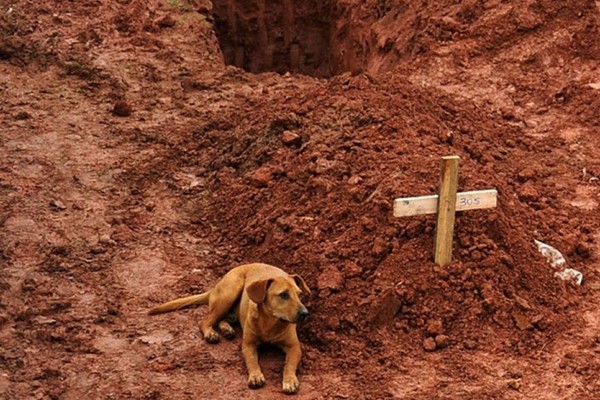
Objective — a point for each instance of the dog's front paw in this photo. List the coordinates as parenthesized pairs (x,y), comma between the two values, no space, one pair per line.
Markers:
(256,380)
(291,385)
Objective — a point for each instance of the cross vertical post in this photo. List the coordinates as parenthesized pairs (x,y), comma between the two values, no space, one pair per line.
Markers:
(446,211)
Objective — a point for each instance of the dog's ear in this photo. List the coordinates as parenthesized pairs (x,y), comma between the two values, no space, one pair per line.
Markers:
(257,291)
(301,284)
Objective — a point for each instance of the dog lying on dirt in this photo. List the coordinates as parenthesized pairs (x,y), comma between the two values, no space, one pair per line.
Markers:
(266,302)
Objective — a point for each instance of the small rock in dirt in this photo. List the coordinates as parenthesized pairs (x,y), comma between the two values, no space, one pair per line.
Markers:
(470,344)
(105,240)
(402,326)
(435,327)
(291,139)
(429,344)
(385,308)
(450,23)
(521,321)
(57,205)
(40,319)
(166,22)
(122,109)
(442,341)
(526,174)
(322,165)
(150,206)
(538,321)
(514,384)
(529,192)
(331,278)
(524,304)
(354,180)
(262,176)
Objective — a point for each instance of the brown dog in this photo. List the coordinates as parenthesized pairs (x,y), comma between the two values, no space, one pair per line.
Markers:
(266,302)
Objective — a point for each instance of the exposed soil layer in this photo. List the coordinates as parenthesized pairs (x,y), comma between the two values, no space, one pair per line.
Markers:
(276,36)
(137,166)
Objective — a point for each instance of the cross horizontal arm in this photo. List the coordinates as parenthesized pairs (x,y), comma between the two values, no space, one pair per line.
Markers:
(465,201)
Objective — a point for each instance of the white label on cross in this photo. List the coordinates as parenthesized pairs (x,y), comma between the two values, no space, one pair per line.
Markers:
(465,201)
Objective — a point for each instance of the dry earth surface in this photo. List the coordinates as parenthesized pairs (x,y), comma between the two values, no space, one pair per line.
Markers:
(148,146)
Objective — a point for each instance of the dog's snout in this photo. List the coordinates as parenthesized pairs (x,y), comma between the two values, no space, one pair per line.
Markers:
(302,314)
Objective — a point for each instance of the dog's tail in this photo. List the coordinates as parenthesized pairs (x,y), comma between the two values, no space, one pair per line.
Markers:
(180,303)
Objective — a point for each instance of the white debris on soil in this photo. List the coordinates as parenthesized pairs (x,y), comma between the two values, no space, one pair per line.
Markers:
(556,259)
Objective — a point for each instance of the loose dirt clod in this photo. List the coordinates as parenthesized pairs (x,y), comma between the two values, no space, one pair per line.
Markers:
(384,308)
(442,341)
(168,21)
(435,327)
(330,278)
(522,321)
(429,344)
(57,205)
(122,109)
(291,139)
(514,384)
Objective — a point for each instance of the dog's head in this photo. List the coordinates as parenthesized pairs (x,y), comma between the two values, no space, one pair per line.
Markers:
(280,297)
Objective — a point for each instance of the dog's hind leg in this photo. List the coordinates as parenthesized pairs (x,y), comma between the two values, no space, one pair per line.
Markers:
(226,329)
(225,325)
(221,301)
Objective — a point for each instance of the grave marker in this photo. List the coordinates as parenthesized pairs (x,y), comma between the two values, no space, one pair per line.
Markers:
(445,204)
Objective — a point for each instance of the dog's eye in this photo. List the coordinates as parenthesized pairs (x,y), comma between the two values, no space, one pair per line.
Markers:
(284,295)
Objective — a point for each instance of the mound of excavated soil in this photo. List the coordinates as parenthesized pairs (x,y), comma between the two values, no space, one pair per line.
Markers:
(138,164)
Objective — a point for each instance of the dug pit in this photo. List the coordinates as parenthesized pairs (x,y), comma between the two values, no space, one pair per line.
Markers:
(280,36)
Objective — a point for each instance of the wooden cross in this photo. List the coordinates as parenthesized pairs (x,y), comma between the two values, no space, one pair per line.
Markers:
(445,204)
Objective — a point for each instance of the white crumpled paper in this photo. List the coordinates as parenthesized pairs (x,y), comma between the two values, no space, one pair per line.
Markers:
(556,259)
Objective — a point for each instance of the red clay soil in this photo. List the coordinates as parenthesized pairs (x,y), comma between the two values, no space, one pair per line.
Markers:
(136,166)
